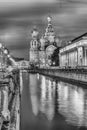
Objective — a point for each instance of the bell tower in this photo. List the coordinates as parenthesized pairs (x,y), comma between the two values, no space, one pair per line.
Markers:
(34,45)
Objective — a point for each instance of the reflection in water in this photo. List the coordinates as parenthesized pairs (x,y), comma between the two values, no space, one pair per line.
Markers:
(72,103)
(43,102)
(63,104)
(34,93)
(47,97)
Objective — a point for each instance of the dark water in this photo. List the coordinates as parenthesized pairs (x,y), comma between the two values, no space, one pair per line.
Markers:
(47,104)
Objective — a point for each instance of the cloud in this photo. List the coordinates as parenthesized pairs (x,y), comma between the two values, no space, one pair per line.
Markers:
(69,19)
(7,5)
(23,53)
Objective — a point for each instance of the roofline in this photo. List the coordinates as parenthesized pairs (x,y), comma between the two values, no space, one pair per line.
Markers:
(75,39)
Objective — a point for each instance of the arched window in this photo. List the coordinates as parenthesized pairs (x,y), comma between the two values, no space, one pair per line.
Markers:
(32,44)
(35,43)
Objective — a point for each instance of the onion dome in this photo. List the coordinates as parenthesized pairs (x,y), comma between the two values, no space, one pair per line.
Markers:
(35,33)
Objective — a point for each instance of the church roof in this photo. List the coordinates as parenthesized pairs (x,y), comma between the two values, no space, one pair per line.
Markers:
(79,37)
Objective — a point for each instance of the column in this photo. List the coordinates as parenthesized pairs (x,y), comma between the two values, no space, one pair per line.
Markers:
(80,56)
(85,57)
(5,111)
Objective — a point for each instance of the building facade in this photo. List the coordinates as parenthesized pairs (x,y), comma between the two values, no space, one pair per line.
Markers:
(41,49)
(74,54)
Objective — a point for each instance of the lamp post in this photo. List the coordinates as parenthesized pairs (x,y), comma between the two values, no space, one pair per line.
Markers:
(6,51)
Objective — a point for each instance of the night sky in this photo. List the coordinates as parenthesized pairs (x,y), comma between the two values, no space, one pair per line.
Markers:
(18,17)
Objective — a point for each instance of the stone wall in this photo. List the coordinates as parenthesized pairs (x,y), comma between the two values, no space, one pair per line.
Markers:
(77,75)
(10,101)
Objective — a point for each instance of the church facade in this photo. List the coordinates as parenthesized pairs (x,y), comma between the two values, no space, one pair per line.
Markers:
(41,49)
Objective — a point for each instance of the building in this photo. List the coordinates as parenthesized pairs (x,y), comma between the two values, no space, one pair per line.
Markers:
(22,64)
(75,53)
(41,49)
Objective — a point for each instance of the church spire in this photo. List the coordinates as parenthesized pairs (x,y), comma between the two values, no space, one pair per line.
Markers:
(49,19)
(49,33)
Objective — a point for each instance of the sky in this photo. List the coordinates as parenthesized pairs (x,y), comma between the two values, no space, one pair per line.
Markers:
(18,17)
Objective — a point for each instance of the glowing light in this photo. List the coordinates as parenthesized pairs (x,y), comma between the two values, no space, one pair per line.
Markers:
(38,76)
(43,95)
(13,61)
(5,51)
(9,56)
(53,63)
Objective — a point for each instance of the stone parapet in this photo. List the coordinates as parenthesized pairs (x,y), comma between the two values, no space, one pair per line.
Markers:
(76,75)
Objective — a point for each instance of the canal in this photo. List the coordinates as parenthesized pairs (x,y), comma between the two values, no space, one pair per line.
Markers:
(51,104)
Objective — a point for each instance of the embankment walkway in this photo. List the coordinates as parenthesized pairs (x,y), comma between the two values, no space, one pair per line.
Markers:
(77,75)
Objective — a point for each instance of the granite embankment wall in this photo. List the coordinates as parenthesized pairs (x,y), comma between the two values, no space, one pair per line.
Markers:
(76,75)
(10,100)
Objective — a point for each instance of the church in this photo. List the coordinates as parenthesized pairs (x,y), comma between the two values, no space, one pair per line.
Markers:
(41,49)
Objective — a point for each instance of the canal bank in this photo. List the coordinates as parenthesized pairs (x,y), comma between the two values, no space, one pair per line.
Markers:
(9,100)
(73,75)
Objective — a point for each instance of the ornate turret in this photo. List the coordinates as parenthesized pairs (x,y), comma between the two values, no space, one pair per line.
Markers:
(34,42)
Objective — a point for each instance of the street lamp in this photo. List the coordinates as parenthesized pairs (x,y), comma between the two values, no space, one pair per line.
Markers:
(8,56)
(6,51)
(53,63)
(12,60)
